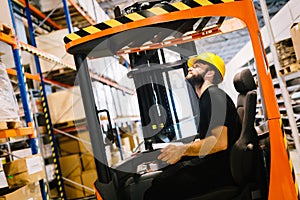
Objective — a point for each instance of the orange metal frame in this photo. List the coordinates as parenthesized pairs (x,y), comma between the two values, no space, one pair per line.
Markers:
(16,132)
(35,77)
(11,40)
(281,181)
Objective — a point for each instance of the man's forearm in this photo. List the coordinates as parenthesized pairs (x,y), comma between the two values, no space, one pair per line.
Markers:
(201,147)
(209,145)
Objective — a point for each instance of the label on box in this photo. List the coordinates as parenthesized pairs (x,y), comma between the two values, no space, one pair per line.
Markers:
(47,150)
(3,181)
(21,153)
(50,172)
(1,166)
(34,165)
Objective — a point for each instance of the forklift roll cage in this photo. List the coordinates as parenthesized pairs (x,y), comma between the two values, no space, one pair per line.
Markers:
(282,184)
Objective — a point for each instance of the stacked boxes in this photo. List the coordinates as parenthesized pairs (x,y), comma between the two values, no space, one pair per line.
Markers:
(24,171)
(286,52)
(22,177)
(77,165)
(30,191)
(66,106)
(88,178)
(71,169)
(289,51)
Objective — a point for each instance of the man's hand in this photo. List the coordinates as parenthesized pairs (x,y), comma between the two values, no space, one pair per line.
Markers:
(172,154)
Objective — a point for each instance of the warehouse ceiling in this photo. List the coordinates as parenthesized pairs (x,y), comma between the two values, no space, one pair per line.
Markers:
(217,44)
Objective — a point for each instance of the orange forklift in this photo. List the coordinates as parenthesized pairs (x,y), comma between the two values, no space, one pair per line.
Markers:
(157,38)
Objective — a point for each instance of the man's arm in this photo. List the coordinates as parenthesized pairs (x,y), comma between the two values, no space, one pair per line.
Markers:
(212,144)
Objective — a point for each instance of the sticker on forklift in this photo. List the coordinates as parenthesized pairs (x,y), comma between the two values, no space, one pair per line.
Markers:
(147,167)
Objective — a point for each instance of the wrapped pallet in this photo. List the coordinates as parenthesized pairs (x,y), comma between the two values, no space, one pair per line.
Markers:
(286,52)
(8,103)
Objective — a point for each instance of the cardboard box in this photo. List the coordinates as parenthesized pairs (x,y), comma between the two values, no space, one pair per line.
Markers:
(53,44)
(72,146)
(68,145)
(24,171)
(22,153)
(66,105)
(54,193)
(88,161)
(70,166)
(74,191)
(24,178)
(295,34)
(85,147)
(30,191)
(88,179)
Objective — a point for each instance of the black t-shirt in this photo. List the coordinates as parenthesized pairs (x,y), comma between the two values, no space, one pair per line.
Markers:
(217,109)
(197,175)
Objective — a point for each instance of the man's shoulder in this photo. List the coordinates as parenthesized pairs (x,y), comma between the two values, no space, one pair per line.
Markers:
(215,90)
(218,92)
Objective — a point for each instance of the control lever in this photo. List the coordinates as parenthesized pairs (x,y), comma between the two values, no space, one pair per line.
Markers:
(110,134)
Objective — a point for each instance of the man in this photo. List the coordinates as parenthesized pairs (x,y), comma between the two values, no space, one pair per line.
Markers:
(202,165)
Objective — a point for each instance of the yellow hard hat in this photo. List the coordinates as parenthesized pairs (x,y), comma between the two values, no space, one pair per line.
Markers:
(210,58)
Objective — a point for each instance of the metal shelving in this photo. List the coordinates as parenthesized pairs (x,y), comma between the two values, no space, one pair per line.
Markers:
(12,41)
(23,8)
(16,132)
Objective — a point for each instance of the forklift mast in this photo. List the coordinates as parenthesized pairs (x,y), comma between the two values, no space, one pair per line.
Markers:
(157,124)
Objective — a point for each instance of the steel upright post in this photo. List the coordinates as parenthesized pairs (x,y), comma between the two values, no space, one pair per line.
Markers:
(24,96)
(49,127)
(67,14)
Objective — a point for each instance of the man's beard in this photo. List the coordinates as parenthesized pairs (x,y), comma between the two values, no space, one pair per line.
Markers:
(197,81)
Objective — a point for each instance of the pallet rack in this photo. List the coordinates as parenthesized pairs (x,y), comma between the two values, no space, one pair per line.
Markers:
(17,46)
(37,18)
(12,41)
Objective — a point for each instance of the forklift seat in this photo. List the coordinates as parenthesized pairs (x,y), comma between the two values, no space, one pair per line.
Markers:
(245,158)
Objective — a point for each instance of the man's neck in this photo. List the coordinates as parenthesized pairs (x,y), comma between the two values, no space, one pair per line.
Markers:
(200,90)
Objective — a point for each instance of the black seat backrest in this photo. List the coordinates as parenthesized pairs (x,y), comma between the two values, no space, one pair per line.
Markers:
(243,83)
(244,153)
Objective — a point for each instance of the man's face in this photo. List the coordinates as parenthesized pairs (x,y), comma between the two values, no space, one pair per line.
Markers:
(196,73)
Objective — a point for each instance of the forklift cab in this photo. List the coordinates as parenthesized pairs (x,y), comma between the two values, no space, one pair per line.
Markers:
(157,42)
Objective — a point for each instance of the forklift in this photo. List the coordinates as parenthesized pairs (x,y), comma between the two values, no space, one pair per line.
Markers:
(145,34)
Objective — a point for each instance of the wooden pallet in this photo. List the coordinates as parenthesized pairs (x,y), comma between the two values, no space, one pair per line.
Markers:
(6,29)
(10,125)
(289,55)
(77,19)
(283,44)
(289,69)
(63,75)
(288,60)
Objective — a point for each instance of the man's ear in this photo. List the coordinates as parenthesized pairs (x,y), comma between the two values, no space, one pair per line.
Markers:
(210,75)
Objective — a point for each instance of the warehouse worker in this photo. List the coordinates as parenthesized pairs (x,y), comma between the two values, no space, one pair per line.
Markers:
(202,165)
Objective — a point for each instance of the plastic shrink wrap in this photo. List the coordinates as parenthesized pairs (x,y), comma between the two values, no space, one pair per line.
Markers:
(8,102)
